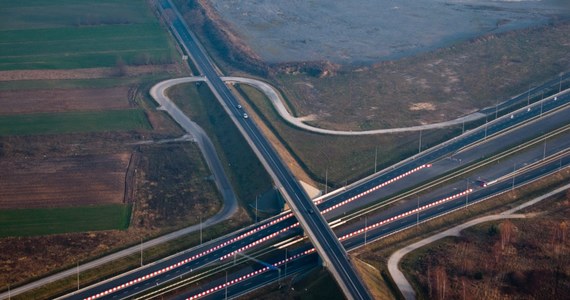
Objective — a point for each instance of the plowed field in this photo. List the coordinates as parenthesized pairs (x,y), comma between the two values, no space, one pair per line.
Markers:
(60,100)
(63,182)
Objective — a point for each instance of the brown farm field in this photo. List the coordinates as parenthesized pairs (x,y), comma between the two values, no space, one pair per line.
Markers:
(63,181)
(59,100)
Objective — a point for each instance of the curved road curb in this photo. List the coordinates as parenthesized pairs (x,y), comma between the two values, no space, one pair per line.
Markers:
(394,261)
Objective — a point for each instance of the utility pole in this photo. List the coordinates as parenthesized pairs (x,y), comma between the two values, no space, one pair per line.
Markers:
(514,175)
(420,146)
(467,194)
(544,150)
(326,179)
(256,208)
(375,159)
(285,261)
(78,276)
(528,96)
(418,212)
(365,228)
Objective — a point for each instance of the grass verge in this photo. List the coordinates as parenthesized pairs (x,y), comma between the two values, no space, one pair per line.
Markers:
(343,158)
(247,174)
(42,221)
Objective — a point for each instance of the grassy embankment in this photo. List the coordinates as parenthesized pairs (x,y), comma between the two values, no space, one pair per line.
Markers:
(344,158)
(248,176)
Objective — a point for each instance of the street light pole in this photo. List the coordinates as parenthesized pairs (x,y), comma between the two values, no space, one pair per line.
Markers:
(326,179)
(226,285)
(418,212)
(256,208)
(514,175)
(285,261)
(375,159)
(420,146)
(365,228)
(141,251)
(78,276)
(200,230)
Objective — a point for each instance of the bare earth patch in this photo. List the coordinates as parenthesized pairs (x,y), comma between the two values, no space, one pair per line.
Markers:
(34,101)
(422,106)
(63,181)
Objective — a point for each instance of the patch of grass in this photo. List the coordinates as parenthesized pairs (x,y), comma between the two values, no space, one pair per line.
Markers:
(247,174)
(55,123)
(176,189)
(42,221)
(63,13)
(344,158)
(56,35)
(84,47)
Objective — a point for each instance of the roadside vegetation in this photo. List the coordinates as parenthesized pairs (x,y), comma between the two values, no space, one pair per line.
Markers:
(378,252)
(518,258)
(246,172)
(341,159)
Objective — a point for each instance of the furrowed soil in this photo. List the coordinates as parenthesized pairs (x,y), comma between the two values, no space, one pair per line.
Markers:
(172,190)
(63,181)
(59,100)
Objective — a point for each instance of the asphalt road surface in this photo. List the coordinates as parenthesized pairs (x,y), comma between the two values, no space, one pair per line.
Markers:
(318,230)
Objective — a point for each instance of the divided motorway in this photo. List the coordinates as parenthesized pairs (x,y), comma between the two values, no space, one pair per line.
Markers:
(316,227)
(403,176)
(211,252)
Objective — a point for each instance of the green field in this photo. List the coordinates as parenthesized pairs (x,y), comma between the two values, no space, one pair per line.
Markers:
(27,222)
(79,34)
(55,123)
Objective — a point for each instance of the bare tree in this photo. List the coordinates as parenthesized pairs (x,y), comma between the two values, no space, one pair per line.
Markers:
(440,282)
(507,229)
(121,67)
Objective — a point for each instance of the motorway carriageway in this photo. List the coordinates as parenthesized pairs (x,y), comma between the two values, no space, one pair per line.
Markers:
(304,257)
(181,264)
(225,246)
